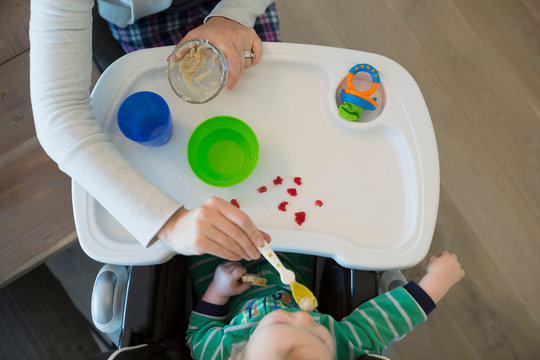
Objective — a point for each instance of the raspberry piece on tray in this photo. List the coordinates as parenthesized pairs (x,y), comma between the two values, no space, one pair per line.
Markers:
(319,203)
(262,189)
(292,191)
(235,203)
(300,217)
(298,180)
(282,206)
(278,180)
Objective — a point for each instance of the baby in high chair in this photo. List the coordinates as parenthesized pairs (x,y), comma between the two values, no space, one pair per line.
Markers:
(236,320)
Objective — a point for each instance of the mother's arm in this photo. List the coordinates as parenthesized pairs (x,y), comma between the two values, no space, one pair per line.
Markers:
(60,75)
(60,72)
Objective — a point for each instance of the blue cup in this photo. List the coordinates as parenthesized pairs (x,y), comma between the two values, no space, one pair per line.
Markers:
(144,117)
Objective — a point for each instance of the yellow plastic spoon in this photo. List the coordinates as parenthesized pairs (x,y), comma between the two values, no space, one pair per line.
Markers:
(302,295)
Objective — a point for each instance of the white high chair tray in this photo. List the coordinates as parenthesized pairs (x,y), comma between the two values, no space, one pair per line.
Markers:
(378,180)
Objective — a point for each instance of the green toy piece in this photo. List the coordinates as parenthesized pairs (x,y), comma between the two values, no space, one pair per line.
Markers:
(350,111)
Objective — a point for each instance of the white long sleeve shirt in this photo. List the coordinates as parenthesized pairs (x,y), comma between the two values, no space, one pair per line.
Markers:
(60,75)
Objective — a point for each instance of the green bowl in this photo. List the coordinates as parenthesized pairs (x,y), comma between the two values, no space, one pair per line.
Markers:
(223,151)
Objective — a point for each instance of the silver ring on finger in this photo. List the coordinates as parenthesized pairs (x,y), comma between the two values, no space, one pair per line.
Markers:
(249,54)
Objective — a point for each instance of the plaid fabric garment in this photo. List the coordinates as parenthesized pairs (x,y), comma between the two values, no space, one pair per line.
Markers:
(170,26)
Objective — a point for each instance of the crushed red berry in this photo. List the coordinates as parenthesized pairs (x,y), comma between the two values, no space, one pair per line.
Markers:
(292,191)
(319,203)
(235,203)
(298,180)
(262,189)
(282,206)
(300,217)
(278,180)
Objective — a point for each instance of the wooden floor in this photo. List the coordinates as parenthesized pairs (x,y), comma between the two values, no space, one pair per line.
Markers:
(39,321)
(478,66)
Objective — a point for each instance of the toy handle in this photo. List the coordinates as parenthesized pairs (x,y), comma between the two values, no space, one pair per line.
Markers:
(376,79)
(366,68)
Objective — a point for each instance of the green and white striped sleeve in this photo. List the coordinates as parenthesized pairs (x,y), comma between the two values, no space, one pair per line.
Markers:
(373,325)
(209,337)
(205,336)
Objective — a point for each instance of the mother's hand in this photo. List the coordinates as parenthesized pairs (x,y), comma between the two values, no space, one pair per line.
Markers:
(215,227)
(232,39)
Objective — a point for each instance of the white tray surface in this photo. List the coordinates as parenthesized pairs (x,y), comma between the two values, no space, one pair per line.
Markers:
(379,181)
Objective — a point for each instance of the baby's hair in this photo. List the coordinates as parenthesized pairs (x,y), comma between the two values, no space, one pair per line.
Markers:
(239,353)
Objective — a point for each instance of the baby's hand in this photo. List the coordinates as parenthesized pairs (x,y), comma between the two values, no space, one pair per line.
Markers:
(227,278)
(446,268)
(226,283)
(443,272)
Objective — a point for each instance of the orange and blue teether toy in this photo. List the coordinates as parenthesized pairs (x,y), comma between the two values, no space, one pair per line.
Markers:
(354,101)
